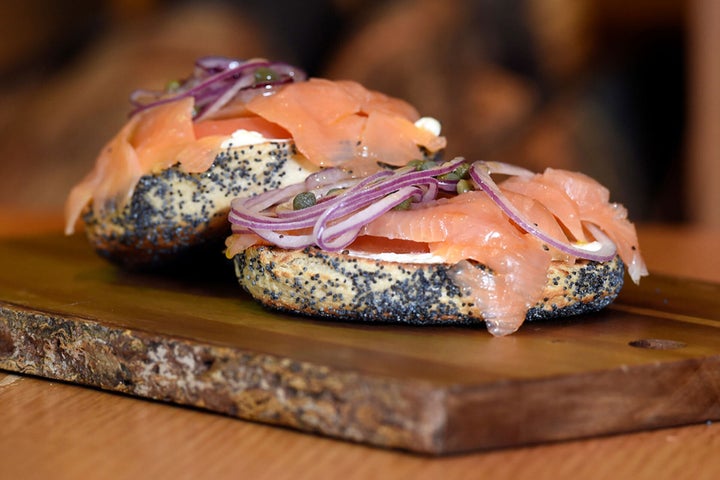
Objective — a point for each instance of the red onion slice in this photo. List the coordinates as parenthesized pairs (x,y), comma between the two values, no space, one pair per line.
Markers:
(336,236)
(216,81)
(327,176)
(602,250)
(226,96)
(502,168)
(335,220)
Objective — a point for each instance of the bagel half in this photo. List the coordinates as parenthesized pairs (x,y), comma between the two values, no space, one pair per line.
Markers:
(174,215)
(344,287)
(161,188)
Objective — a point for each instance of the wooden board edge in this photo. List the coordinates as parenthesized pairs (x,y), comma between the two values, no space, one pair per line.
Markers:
(265,388)
(571,407)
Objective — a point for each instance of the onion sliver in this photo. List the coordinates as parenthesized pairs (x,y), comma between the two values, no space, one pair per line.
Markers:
(216,81)
(341,234)
(335,220)
(480,173)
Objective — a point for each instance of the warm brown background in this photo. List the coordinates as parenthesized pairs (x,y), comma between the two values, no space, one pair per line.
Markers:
(625,91)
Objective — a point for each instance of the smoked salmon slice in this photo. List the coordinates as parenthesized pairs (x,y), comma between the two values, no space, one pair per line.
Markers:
(340,123)
(332,124)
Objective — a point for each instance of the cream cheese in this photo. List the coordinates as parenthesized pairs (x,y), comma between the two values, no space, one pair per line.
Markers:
(430,124)
(589,246)
(241,138)
(424,258)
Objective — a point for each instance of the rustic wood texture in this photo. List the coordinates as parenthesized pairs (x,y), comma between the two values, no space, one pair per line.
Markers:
(60,431)
(648,362)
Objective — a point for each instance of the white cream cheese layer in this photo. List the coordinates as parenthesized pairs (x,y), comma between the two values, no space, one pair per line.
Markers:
(424,258)
(241,138)
(430,124)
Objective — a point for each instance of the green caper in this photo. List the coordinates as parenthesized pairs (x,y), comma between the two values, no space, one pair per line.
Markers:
(450,177)
(427,165)
(415,163)
(265,75)
(462,170)
(304,200)
(172,86)
(463,186)
(420,164)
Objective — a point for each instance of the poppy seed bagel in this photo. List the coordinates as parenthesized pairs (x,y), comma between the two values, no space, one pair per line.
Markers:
(174,215)
(344,287)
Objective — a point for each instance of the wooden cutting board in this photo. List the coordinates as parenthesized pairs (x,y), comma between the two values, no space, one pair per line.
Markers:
(651,360)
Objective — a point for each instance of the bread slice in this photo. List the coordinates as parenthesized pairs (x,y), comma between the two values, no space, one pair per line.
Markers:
(344,287)
(174,215)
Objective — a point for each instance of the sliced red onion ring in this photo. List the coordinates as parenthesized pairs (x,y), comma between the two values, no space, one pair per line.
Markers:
(602,250)
(335,220)
(268,199)
(327,176)
(227,95)
(333,237)
(502,168)
(216,81)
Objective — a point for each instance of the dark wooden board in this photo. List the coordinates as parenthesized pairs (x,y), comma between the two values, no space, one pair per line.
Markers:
(651,360)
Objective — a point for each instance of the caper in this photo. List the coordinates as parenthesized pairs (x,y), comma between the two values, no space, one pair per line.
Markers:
(415,163)
(463,186)
(265,75)
(428,164)
(304,200)
(421,165)
(450,177)
(462,170)
(172,86)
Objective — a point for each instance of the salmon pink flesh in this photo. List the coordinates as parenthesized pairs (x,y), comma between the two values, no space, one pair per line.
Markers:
(602,250)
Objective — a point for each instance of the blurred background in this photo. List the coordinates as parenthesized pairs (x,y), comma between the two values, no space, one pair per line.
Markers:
(627,92)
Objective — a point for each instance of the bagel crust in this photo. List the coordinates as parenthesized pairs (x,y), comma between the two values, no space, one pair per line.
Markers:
(335,285)
(173,214)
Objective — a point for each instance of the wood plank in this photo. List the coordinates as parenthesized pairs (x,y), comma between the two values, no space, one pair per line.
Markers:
(649,361)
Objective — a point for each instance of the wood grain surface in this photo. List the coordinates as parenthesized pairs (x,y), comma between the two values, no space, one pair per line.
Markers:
(650,361)
(57,430)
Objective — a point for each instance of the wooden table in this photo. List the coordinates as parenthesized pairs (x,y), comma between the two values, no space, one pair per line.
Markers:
(54,430)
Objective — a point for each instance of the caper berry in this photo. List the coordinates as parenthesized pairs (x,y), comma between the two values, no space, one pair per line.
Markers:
(265,75)
(304,200)
(420,165)
(462,170)
(450,177)
(428,164)
(463,186)
(415,163)
(172,86)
